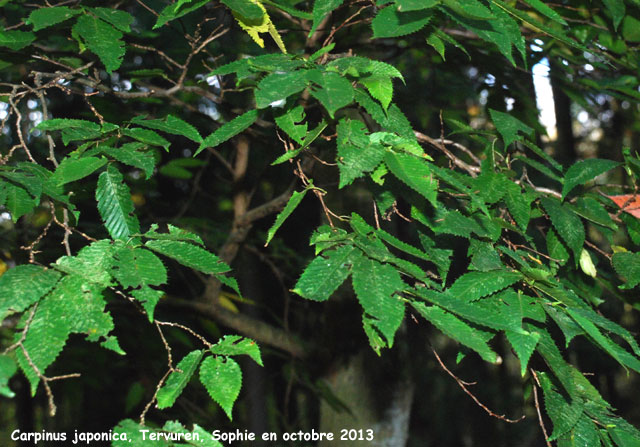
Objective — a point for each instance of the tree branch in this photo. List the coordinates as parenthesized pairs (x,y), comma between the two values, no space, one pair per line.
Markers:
(258,330)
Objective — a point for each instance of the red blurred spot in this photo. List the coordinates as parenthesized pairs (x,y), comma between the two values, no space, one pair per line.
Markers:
(630,203)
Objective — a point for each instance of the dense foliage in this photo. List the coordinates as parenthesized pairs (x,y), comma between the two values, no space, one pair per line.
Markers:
(149,150)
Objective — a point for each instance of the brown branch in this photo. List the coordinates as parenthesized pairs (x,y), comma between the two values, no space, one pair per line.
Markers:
(537,404)
(186,329)
(271,207)
(439,144)
(258,330)
(462,385)
(161,382)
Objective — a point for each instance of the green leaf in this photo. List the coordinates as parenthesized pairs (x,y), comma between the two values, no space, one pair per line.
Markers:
(378,81)
(501,30)
(436,42)
(174,234)
(453,222)
(24,285)
(149,298)
(457,329)
(111,343)
(555,248)
(291,205)
(415,5)
(273,62)
(121,20)
(282,4)
(176,10)
(102,39)
(414,172)
(230,282)
(237,345)
(72,169)
(585,170)
(308,139)
(576,385)
(19,202)
(178,379)
(47,335)
(509,126)
(376,340)
(407,248)
(146,136)
(519,204)
(390,22)
(189,255)
(245,8)
(375,285)
(440,257)
(630,27)
(535,164)
(439,35)
(564,414)
(135,267)
(321,8)
(475,285)
(93,263)
(531,21)
(7,369)
(16,40)
(392,120)
(335,91)
(632,225)
(567,224)
(115,205)
(223,379)
(31,181)
(609,346)
(547,11)
(46,17)
(172,125)
(627,265)
(69,124)
(523,345)
(325,273)
(471,9)
(593,210)
(74,296)
(321,52)
(542,154)
(132,155)
(356,154)
(292,122)
(278,87)
(484,256)
(229,130)
(609,326)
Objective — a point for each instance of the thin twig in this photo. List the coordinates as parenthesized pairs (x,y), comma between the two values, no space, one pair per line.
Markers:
(186,329)
(537,404)
(462,385)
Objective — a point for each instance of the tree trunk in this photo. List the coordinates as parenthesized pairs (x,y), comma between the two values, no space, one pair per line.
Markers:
(379,400)
(565,142)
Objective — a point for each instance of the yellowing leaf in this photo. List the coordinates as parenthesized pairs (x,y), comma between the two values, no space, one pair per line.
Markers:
(254,27)
(586,264)
(226,303)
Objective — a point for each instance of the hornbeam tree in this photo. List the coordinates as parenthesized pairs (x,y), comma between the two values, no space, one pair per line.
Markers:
(354,205)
